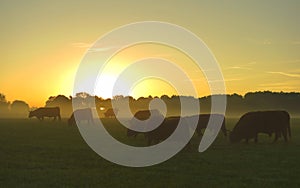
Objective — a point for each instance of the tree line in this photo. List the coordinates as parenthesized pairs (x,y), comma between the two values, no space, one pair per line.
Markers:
(236,104)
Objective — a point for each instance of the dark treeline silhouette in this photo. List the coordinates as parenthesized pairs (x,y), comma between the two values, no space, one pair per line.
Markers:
(236,104)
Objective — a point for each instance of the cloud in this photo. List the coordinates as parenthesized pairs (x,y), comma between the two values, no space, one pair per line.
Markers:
(243,66)
(92,48)
(102,49)
(240,67)
(286,74)
(81,45)
(295,43)
(260,41)
(278,84)
(227,80)
(233,79)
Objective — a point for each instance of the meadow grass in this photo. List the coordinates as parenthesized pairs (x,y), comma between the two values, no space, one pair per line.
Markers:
(51,154)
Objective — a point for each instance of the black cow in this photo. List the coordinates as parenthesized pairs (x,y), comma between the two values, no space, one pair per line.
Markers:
(203,122)
(40,113)
(268,122)
(84,114)
(142,115)
(165,130)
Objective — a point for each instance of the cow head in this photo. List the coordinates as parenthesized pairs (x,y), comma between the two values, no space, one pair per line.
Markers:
(31,114)
(233,137)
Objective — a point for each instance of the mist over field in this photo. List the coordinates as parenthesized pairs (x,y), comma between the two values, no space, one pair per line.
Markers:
(236,104)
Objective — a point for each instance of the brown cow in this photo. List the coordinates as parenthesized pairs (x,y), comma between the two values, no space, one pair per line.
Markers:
(40,113)
(84,114)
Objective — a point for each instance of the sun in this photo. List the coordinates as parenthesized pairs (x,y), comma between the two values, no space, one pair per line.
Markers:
(104,85)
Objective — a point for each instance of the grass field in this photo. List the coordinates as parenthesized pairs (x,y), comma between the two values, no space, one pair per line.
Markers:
(51,154)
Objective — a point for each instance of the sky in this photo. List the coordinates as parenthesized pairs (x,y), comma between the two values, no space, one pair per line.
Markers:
(256,43)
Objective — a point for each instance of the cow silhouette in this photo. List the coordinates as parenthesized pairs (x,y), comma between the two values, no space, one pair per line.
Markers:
(81,115)
(268,122)
(40,113)
(142,115)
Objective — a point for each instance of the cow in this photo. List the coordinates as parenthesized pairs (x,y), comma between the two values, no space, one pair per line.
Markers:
(110,113)
(162,132)
(84,114)
(141,115)
(166,129)
(40,113)
(268,122)
(203,122)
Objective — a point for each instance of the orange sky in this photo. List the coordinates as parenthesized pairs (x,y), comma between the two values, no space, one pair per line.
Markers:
(42,43)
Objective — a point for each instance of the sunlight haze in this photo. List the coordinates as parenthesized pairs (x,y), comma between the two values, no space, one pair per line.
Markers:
(256,44)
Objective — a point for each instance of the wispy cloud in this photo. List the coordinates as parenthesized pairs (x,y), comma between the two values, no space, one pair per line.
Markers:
(102,49)
(226,80)
(81,45)
(239,67)
(92,48)
(278,84)
(233,79)
(295,43)
(260,41)
(286,74)
(243,66)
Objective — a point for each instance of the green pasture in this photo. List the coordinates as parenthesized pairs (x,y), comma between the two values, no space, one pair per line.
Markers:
(51,154)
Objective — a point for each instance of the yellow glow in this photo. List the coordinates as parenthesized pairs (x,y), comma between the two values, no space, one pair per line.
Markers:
(153,87)
(42,44)
(128,56)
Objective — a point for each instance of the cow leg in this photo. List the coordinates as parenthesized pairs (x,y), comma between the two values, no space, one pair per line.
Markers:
(276,136)
(247,140)
(255,138)
(284,132)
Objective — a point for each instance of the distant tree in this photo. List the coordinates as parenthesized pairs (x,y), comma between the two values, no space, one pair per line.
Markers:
(82,95)
(61,101)
(118,97)
(19,108)
(165,97)
(2,98)
(4,106)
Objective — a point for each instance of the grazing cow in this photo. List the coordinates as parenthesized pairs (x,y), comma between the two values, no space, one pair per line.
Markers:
(40,113)
(268,122)
(84,114)
(203,122)
(110,113)
(166,129)
(142,115)
(163,131)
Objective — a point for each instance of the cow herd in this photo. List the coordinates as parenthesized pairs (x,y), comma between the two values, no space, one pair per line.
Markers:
(248,127)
